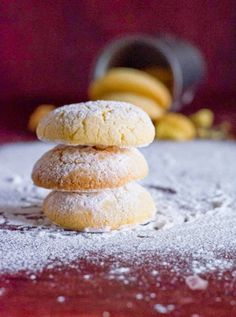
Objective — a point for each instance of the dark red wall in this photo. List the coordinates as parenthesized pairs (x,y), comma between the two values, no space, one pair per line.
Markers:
(48,46)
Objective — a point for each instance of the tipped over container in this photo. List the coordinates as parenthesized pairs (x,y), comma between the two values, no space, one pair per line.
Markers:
(180,60)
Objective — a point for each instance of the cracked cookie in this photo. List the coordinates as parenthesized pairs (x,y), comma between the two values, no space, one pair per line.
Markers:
(84,168)
(108,209)
(106,123)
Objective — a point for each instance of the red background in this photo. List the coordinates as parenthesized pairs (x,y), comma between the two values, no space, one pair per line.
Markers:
(48,47)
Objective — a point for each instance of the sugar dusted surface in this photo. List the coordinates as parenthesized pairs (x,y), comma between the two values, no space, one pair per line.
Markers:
(193,185)
(122,109)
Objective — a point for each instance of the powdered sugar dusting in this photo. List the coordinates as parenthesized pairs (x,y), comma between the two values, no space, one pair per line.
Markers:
(108,165)
(130,121)
(97,107)
(161,309)
(127,196)
(193,185)
(195,282)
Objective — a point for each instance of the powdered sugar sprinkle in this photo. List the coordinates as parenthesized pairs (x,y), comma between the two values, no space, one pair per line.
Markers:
(193,185)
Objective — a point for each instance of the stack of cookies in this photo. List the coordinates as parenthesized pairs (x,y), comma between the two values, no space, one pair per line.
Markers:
(93,170)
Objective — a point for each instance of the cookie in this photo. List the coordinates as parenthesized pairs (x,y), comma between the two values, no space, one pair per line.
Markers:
(99,123)
(163,74)
(123,79)
(37,115)
(82,168)
(113,209)
(150,106)
(175,126)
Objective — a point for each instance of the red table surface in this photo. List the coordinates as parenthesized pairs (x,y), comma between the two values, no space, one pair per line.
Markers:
(24,297)
(47,55)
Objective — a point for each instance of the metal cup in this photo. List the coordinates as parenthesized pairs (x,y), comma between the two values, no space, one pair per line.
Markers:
(182,59)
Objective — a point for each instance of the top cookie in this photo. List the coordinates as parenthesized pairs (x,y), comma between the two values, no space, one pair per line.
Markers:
(97,123)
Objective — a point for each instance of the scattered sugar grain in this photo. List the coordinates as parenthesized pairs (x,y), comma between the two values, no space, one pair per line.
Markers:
(129,304)
(153,295)
(32,276)
(195,282)
(2,291)
(61,299)
(154,273)
(126,282)
(139,296)
(161,309)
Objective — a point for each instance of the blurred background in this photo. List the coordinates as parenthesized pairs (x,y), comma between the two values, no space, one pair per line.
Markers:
(48,49)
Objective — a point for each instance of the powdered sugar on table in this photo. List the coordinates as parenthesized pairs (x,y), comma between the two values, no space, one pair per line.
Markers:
(193,185)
